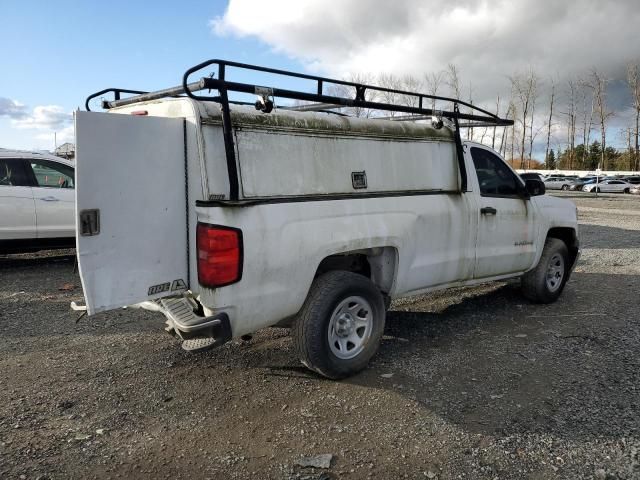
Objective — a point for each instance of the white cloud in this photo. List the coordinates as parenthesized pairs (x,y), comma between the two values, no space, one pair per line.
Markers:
(50,139)
(35,129)
(12,109)
(45,117)
(487,40)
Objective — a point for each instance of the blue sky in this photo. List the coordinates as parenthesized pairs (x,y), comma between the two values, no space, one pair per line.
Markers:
(58,52)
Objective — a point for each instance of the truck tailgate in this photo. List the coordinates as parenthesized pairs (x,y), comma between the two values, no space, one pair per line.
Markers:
(131,221)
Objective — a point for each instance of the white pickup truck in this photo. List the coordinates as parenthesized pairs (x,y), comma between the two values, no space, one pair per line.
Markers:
(229,218)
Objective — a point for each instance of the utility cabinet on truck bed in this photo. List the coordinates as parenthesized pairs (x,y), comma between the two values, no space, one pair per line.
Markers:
(229,216)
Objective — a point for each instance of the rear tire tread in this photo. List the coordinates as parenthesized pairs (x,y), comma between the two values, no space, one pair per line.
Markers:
(309,331)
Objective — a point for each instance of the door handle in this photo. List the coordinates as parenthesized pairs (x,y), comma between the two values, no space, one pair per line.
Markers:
(488,211)
(49,199)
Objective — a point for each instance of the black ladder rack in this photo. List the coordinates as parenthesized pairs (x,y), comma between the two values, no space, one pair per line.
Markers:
(219,82)
(319,101)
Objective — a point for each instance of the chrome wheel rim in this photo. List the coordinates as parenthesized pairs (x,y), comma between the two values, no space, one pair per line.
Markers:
(350,327)
(555,272)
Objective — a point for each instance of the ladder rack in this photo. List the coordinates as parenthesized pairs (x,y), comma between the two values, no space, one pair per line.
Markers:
(320,100)
(325,101)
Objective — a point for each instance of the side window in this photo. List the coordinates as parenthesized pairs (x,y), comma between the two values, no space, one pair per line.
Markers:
(494,177)
(52,174)
(13,173)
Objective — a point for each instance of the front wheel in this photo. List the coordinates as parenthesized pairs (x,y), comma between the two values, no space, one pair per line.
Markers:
(340,325)
(545,283)
(565,187)
(626,190)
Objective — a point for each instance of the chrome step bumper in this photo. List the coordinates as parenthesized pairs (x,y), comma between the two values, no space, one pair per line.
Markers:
(198,333)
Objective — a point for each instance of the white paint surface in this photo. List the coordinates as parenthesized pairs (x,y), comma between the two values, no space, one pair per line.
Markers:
(273,164)
(132,169)
(17,213)
(424,242)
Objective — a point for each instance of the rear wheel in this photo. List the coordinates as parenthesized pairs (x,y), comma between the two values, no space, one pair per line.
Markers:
(545,283)
(340,325)
(565,187)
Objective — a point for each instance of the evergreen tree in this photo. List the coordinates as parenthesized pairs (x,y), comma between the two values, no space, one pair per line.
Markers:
(611,155)
(579,155)
(595,153)
(550,162)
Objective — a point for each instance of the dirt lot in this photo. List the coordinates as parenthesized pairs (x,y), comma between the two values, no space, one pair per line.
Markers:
(468,384)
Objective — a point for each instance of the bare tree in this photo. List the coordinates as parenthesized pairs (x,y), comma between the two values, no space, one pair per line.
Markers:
(633,80)
(470,129)
(508,138)
(532,136)
(453,80)
(571,121)
(599,86)
(493,136)
(350,92)
(587,118)
(629,133)
(549,124)
(524,87)
(433,82)
(410,84)
(514,110)
(390,81)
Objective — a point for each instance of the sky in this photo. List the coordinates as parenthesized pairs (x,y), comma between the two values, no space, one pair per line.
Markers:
(54,54)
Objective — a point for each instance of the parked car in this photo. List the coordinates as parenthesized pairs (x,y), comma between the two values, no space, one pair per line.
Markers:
(579,183)
(615,186)
(37,202)
(531,176)
(635,180)
(558,183)
(316,221)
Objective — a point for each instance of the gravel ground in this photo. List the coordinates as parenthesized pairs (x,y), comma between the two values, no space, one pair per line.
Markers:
(471,383)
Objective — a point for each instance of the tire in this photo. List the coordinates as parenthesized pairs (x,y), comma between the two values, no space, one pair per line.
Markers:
(328,321)
(597,190)
(626,190)
(545,282)
(565,187)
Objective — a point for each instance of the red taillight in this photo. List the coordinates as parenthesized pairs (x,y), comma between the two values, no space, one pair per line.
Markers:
(219,255)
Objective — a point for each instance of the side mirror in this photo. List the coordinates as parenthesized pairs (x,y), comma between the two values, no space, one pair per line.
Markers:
(535,187)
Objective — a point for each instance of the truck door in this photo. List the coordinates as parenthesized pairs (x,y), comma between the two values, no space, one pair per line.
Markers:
(506,227)
(131,225)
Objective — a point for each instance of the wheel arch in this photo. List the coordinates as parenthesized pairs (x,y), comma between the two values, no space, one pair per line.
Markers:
(379,264)
(570,238)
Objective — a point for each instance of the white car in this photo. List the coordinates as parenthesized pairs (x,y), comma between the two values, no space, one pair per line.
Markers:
(558,183)
(615,186)
(37,202)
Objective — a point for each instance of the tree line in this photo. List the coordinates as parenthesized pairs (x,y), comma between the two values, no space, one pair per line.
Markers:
(570,118)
